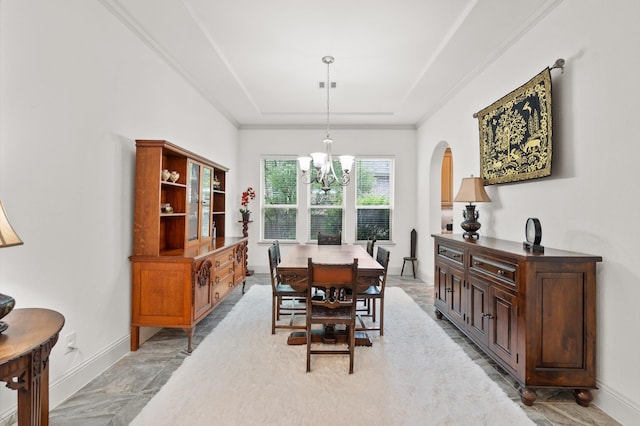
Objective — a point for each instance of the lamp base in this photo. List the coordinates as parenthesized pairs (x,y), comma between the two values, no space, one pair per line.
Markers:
(471,224)
(6,305)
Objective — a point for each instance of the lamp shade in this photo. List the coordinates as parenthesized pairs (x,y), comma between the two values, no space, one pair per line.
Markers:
(319,159)
(472,191)
(305,163)
(346,161)
(8,236)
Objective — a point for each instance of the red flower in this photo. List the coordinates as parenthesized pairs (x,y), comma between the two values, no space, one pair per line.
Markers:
(247,196)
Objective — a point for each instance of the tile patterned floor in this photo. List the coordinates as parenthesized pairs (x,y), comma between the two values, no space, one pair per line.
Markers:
(115,397)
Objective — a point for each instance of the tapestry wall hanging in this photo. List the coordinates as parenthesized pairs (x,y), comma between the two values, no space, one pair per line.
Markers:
(515,133)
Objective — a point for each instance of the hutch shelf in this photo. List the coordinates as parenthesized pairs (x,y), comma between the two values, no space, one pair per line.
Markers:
(533,313)
(183,265)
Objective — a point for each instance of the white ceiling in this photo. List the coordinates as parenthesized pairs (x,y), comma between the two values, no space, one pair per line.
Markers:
(260,61)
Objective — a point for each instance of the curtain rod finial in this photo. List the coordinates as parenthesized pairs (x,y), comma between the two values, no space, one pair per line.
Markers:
(559,63)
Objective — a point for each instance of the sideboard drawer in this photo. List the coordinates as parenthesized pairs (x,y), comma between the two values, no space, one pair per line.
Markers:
(504,270)
(223,260)
(451,253)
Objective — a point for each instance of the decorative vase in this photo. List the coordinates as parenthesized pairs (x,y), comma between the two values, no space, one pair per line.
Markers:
(165,175)
(246,216)
(6,305)
(174,176)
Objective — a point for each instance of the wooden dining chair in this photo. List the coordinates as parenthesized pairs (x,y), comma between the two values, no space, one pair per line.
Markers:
(338,307)
(285,299)
(329,239)
(375,292)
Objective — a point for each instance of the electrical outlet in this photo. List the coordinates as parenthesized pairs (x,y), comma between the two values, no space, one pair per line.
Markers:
(70,340)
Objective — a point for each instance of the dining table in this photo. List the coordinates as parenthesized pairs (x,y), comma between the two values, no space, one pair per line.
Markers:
(293,270)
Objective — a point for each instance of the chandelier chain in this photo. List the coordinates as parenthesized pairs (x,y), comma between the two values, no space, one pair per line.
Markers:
(328,91)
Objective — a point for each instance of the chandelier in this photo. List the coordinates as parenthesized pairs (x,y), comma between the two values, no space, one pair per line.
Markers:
(324,173)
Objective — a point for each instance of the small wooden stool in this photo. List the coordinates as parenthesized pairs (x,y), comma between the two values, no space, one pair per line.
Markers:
(412,258)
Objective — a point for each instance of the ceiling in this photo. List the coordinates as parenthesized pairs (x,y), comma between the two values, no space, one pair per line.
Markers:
(396,62)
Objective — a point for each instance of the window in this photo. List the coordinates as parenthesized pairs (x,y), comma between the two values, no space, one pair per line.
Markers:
(326,209)
(374,198)
(280,202)
(294,211)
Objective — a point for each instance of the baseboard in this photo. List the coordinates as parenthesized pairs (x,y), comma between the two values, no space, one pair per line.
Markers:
(617,406)
(62,388)
(65,386)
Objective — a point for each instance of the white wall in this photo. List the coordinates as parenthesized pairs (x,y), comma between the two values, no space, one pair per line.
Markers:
(588,203)
(397,143)
(76,89)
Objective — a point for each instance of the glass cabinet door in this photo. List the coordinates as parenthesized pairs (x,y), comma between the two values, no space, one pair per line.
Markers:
(193,201)
(205,224)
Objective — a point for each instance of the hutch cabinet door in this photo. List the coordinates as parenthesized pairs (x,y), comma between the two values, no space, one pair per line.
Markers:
(205,205)
(193,201)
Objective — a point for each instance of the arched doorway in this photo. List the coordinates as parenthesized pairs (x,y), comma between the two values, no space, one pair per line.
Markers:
(446,191)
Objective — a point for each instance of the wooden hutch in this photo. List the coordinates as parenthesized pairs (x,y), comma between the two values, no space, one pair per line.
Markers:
(183,265)
(533,313)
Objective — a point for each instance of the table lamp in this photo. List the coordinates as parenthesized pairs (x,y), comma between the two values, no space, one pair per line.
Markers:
(471,191)
(8,238)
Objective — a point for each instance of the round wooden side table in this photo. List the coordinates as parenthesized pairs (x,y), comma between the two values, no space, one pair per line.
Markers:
(24,360)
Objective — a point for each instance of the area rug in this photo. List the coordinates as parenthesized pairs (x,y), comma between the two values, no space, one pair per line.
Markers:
(415,374)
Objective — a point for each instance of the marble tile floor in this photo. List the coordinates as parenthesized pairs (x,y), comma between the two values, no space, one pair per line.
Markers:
(115,397)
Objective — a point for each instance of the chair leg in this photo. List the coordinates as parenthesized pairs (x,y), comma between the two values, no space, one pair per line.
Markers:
(273,314)
(402,270)
(352,344)
(308,348)
(413,265)
(373,309)
(382,316)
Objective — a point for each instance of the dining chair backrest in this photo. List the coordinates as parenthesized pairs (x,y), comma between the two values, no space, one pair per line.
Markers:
(338,281)
(330,239)
(276,243)
(370,243)
(382,257)
(273,257)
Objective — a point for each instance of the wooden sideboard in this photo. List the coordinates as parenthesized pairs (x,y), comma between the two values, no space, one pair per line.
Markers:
(533,313)
(183,265)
